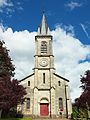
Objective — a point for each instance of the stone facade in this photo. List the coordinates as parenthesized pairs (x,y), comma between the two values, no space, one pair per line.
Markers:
(48,94)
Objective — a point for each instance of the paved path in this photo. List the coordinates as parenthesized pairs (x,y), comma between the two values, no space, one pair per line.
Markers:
(51,119)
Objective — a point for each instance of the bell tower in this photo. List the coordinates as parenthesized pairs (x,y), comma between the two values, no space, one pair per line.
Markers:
(44,59)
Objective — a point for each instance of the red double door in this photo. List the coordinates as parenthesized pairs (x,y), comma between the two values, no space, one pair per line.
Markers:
(44,109)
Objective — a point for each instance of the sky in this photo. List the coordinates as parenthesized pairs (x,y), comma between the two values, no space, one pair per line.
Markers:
(69,23)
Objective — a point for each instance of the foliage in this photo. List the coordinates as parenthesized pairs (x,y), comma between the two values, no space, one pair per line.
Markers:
(75,112)
(83,102)
(11,92)
(84,99)
(78,112)
(6,66)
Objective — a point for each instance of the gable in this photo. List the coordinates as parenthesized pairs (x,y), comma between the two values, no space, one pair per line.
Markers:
(27,79)
(61,77)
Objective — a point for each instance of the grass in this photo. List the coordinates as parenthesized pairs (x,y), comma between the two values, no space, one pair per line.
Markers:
(16,119)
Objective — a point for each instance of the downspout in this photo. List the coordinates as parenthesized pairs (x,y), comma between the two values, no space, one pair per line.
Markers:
(66,101)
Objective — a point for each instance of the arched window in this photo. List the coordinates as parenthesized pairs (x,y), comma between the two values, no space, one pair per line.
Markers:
(44,78)
(59,83)
(43,47)
(28,83)
(60,104)
(28,103)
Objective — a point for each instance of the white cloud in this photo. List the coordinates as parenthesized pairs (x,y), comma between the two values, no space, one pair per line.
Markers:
(21,46)
(72,5)
(5,3)
(7,7)
(68,52)
(69,29)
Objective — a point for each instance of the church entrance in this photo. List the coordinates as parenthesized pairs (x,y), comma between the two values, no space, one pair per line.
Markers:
(44,109)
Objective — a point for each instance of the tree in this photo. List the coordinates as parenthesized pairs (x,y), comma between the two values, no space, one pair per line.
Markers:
(6,66)
(11,92)
(85,96)
(83,102)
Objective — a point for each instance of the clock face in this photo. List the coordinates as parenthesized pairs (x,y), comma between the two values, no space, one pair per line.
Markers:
(43,62)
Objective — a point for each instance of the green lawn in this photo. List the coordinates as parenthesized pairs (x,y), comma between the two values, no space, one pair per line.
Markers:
(17,119)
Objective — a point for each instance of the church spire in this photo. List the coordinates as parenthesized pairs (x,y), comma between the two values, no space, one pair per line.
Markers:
(43,29)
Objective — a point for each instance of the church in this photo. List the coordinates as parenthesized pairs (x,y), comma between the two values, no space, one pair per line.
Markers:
(48,93)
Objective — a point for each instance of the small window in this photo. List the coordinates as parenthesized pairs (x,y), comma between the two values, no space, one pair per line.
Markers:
(59,83)
(43,47)
(28,83)
(28,103)
(60,104)
(44,78)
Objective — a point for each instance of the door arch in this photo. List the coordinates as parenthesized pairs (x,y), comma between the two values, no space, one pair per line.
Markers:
(44,107)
